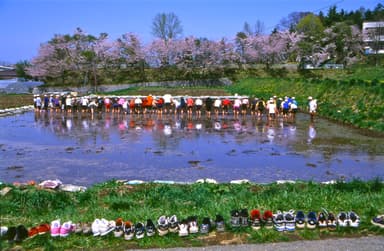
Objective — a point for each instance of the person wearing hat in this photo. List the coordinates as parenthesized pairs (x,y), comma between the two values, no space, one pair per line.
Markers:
(312,107)
(293,107)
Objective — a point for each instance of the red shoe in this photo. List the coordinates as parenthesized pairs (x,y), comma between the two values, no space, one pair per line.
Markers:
(33,232)
(255,219)
(43,228)
(268,219)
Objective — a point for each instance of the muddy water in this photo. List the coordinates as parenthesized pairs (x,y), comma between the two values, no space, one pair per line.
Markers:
(83,150)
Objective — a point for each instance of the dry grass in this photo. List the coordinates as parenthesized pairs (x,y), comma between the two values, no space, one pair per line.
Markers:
(15,100)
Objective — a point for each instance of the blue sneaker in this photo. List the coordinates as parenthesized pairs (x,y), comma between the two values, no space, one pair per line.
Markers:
(300,219)
(311,220)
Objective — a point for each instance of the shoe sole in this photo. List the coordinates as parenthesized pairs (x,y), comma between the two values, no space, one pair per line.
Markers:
(162,233)
(140,236)
(310,226)
(106,232)
(128,238)
(377,224)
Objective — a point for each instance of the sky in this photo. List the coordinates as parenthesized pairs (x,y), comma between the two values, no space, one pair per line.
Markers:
(25,24)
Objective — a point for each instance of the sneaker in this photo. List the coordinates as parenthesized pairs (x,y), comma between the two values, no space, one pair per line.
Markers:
(10,234)
(322,221)
(353,219)
(255,219)
(311,220)
(331,222)
(86,227)
(183,228)
(66,229)
(219,222)
(378,221)
(300,219)
(3,231)
(235,218)
(290,222)
(140,230)
(173,224)
(342,220)
(55,228)
(78,228)
(32,232)
(129,230)
(21,234)
(43,228)
(205,226)
(162,225)
(95,227)
(192,225)
(106,227)
(150,228)
(268,219)
(244,221)
(278,221)
(119,229)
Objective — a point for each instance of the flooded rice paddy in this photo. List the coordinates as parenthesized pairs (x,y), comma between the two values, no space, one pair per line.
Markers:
(82,150)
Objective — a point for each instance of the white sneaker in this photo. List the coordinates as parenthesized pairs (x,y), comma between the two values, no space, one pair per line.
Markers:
(96,227)
(3,231)
(106,227)
(162,225)
(173,224)
(183,228)
(193,227)
(353,219)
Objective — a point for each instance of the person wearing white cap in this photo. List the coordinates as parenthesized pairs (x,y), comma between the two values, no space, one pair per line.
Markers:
(312,107)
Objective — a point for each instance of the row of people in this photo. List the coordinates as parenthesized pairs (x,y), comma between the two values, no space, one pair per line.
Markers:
(167,104)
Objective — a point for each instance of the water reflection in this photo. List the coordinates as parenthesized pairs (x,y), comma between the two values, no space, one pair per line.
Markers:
(95,148)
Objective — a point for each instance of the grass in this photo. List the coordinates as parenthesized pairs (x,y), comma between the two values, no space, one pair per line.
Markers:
(31,206)
(15,100)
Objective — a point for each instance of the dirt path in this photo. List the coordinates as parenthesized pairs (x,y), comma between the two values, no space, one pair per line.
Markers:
(371,243)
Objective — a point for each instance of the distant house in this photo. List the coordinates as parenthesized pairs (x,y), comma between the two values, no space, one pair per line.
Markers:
(373,37)
(7,72)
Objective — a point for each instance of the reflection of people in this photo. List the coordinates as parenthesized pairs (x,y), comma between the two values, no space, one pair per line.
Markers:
(312,107)
(311,132)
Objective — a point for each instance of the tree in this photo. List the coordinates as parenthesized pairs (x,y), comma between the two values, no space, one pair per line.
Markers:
(290,22)
(166,26)
(21,69)
(310,47)
(258,29)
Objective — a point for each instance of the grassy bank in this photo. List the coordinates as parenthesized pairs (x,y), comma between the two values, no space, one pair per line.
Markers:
(32,206)
(353,101)
(15,100)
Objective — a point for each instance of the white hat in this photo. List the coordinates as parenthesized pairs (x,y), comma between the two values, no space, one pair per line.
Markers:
(310,97)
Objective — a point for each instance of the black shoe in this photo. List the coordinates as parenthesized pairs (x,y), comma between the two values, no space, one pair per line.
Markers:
(205,226)
(150,228)
(21,234)
(140,230)
(235,218)
(10,235)
(220,225)
(244,221)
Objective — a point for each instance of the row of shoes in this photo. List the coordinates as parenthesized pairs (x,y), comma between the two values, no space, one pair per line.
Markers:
(166,225)
(280,221)
(289,220)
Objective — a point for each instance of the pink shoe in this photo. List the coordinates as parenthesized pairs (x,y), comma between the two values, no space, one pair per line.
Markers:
(55,228)
(66,229)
